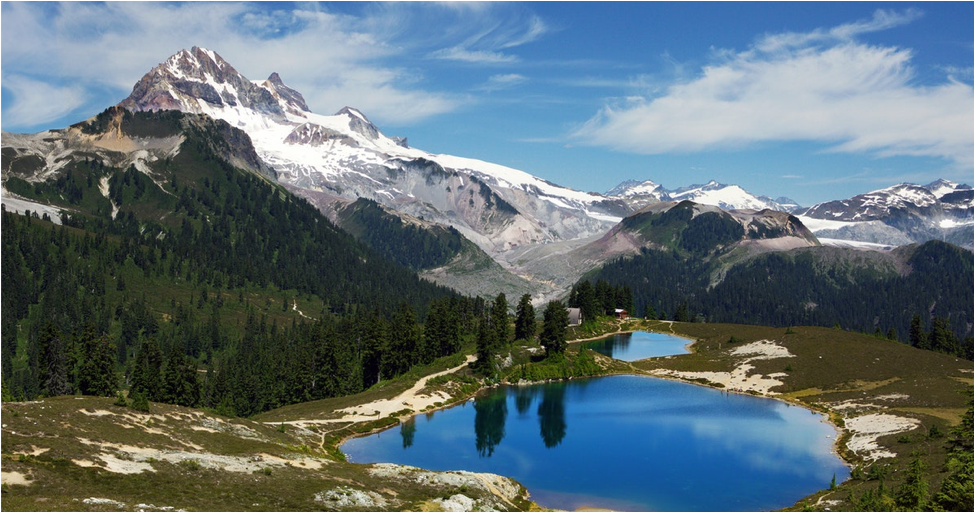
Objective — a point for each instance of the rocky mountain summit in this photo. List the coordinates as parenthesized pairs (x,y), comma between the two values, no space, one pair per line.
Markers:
(898,215)
(344,157)
(638,194)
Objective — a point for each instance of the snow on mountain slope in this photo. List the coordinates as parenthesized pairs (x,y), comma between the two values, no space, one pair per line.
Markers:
(731,197)
(347,155)
(942,187)
(902,214)
(631,188)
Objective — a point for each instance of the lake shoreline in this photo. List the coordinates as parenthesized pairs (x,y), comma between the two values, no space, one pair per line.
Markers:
(837,447)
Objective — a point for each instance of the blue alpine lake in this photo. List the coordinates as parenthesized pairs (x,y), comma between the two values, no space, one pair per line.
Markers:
(639,345)
(624,442)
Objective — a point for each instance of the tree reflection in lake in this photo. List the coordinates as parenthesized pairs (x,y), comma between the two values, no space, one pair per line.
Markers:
(551,414)
(523,396)
(408,432)
(666,445)
(489,420)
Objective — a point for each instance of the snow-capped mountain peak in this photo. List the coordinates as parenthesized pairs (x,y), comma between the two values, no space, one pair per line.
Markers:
(730,197)
(200,81)
(346,156)
(358,123)
(285,94)
(631,188)
(942,187)
(898,215)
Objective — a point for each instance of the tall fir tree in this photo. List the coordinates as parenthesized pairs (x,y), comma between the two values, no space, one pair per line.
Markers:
(96,364)
(54,364)
(555,327)
(524,323)
(486,344)
(501,320)
(918,337)
(146,374)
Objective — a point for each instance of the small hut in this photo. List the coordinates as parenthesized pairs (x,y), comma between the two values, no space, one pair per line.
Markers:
(574,316)
(621,314)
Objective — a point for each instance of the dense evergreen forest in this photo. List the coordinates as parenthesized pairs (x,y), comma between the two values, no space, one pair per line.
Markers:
(412,246)
(807,288)
(199,265)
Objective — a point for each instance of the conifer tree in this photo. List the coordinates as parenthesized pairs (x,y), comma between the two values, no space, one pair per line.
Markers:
(501,320)
(180,384)
(942,338)
(373,347)
(918,338)
(54,367)
(146,376)
(139,402)
(96,365)
(912,494)
(555,328)
(650,312)
(524,324)
(404,342)
(682,313)
(486,344)
(588,302)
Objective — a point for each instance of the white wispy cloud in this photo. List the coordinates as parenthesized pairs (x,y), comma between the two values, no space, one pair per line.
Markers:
(476,56)
(487,42)
(823,86)
(881,20)
(334,59)
(37,102)
(503,81)
(959,73)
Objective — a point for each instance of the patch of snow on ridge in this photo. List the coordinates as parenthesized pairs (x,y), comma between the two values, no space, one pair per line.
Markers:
(814,224)
(512,177)
(738,379)
(867,429)
(955,223)
(854,244)
(764,349)
(20,205)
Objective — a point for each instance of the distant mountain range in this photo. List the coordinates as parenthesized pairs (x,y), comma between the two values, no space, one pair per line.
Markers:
(902,214)
(728,197)
(513,219)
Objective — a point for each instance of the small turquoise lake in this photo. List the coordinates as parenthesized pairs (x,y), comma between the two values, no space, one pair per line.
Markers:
(639,345)
(624,442)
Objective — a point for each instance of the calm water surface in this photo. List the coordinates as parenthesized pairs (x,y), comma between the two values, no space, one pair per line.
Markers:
(639,345)
(624,442)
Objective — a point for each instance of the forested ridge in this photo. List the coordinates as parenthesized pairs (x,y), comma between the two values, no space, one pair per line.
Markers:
(809,287)
(201,266)
(411,245)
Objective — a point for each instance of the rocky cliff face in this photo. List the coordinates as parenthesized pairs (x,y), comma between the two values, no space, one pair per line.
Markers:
(192,80)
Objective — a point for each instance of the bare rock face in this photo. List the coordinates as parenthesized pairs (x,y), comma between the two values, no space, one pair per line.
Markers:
(359,123)
(316,135)
(200,75)
(289,95)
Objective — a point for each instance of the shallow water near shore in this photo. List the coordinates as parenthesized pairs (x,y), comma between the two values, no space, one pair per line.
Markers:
(624,442)
(639,345)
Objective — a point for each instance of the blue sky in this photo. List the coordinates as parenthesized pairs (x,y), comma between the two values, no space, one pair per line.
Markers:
(816,101)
